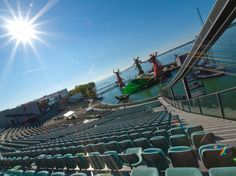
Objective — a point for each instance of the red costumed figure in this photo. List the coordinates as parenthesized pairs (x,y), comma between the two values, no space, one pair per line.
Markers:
(119,79)
(157,66)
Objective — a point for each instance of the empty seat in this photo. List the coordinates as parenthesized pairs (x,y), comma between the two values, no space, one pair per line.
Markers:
(70,162)
(214,155)
(114,145)
(188,171)
(183,156)
(96,161)
(200,138)
(142,142)
(89,148)
(192,129)
(132,157)
(42,173)
(81,161)
(160,142)
(78,174)
(161,133)
(177,130)
(144,171)
(125,144)
(29,173)
(100,147)
(147,134)
(179,140)
(112,160)
(222,171)
(134,136)
(58,174)
(155,157)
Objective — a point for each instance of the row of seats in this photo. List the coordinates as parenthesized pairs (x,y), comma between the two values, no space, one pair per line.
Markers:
(139,171)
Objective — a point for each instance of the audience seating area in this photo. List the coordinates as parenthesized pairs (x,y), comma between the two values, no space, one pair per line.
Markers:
(144,140)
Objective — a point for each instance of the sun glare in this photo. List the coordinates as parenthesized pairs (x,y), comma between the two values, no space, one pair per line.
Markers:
(21,30)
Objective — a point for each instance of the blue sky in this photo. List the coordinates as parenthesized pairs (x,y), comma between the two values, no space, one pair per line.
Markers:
(84,40)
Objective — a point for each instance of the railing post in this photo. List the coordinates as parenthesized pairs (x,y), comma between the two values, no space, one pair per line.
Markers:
(177,104)
(220,105)
(200,108)
(189,106)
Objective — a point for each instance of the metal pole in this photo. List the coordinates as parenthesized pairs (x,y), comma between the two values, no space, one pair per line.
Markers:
(186,88)
(200,109)
(220,105)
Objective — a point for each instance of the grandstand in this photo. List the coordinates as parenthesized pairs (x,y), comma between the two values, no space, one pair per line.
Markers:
(153,137)
(146,139)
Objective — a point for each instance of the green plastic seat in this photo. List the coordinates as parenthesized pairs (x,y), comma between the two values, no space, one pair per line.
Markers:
(179,140)
(183,156)
(155,157)
(183,171)
(161,133)
(100,147)
(78,174)
(29,173)
(58,174)
(217,156)
(177,130)
(125,144)
(144,171)
(147,134)
(192,129)
(200,138)
(96,161)
(222,171)
(142,142)
(18,173)
(42,173)
(112,160)
(132,157)
(114,146)
(81,161)
(160,142)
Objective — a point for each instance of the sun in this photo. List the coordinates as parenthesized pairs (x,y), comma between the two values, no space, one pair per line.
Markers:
(22,31)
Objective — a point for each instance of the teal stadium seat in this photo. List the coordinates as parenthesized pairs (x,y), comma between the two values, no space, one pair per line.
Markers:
(200,138)
(183,156)
(155,157)
(179,140)
(183,171)
(144,171)
(214,155)
(222,171)
(160,142)
(132,157)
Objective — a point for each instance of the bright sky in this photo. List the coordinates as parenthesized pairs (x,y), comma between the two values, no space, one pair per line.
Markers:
(84,40)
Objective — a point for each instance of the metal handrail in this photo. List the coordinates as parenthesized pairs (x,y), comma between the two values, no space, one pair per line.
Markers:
(215,94)
(221,16)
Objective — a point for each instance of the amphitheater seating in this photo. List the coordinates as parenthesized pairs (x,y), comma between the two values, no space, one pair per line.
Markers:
(129,141)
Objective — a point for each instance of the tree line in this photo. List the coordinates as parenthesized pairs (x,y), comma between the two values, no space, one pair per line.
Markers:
(87,90)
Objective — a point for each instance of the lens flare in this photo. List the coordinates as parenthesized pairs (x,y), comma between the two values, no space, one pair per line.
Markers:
(21,30)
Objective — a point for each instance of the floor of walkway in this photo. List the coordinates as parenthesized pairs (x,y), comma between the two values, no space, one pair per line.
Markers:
(224,129)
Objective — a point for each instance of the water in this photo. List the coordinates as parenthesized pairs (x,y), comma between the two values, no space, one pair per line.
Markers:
(223,52)
(109,97)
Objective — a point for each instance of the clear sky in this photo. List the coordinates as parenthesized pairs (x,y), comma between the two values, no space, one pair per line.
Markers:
(84,40)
